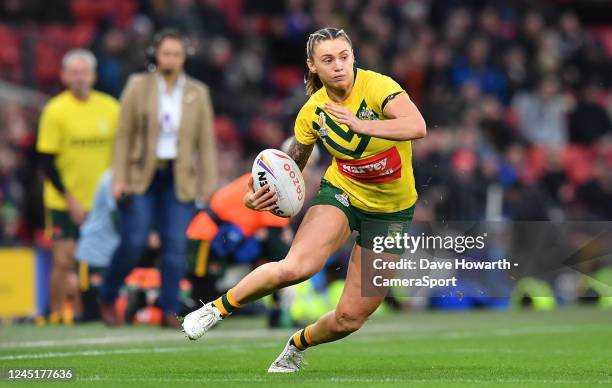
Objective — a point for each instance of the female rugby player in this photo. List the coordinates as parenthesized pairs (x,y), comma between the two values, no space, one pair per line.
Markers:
(366,121)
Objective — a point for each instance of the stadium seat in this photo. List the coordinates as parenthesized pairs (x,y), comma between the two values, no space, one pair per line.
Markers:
(82,35)
(286,78)
(48,64)
(226,130)
(90,10)
(579,163)
(604,35)
(10,54)
(93,11)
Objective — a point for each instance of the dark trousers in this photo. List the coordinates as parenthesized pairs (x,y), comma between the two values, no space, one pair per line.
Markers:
(159,207)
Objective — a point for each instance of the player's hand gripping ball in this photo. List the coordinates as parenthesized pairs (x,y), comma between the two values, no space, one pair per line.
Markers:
(279,171)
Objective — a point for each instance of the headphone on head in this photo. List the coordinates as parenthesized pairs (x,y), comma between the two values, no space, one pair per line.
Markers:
(158,38)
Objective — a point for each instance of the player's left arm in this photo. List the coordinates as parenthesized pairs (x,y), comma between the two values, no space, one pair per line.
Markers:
(403,120)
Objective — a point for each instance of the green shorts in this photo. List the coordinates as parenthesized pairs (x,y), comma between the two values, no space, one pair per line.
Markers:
(60,225)
(368,225)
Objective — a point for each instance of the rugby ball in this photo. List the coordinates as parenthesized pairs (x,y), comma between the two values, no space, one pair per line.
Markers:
(279,171)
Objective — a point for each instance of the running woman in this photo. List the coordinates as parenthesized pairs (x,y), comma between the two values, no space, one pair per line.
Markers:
(366,121)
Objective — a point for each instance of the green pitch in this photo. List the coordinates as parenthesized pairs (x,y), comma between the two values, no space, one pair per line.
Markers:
(567,347)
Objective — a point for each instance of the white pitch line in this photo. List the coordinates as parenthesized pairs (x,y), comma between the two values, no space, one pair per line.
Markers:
(234,347)
(128,339)
(89,353)
(372,328)
(90,341)
(254,333)
(336,379)
(174,349)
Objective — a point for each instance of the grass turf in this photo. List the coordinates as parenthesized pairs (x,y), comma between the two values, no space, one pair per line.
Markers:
(569,347)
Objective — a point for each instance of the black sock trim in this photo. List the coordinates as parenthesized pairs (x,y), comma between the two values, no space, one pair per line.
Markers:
(303,338)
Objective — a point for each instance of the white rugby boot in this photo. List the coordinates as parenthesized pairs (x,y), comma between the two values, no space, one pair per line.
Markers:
(290,360)
(198,322)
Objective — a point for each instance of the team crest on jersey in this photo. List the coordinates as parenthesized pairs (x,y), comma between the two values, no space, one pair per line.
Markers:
(323,131)
(366,113)
(343,199)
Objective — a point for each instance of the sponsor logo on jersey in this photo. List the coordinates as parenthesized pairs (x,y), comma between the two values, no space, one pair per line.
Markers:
(343,199)
(380,168)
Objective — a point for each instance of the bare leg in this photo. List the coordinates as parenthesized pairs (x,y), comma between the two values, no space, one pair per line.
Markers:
(323,231)
(352,310)
(63,265)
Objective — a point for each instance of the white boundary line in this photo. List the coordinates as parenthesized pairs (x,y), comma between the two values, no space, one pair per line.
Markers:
(310,379)
(204,346)
(264,333)
(172,349)
(147,338)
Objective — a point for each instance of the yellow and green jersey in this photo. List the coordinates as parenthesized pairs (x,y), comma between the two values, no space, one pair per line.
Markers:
(80,134)
(375,173)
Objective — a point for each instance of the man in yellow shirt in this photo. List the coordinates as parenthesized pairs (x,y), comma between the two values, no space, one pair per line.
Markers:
(75,137)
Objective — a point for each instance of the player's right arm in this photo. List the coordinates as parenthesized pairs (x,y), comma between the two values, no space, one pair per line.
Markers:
(300,152)
(304,140)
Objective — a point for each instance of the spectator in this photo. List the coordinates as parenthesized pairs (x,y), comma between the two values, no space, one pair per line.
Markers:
(572,35)
(549,56)
(517,69)
(542,114)
(464,199)
(531,30)
(596,194)
(589,121)
(110,74)
(166,123)
(475,67)
(494,127)
(592,62)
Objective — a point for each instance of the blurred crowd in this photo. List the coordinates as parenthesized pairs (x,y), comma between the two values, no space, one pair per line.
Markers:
(517,95)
